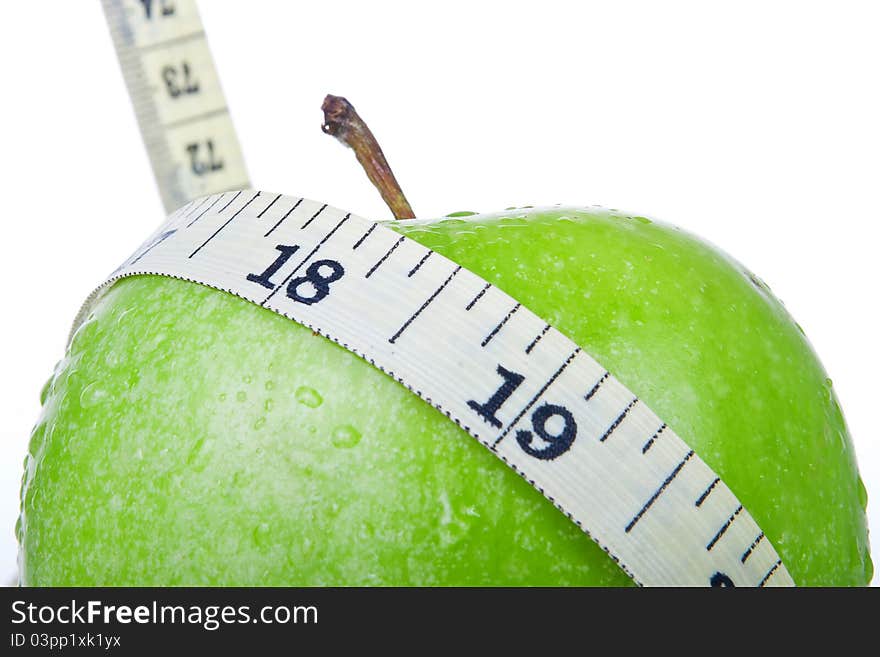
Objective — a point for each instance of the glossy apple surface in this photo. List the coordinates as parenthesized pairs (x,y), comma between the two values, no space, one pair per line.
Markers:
(191,437)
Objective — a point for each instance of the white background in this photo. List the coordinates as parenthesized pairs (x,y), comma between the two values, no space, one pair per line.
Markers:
(754,124)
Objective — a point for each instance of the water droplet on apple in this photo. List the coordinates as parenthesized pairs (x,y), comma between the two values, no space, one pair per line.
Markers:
(757,282)
(270,385)
(31,497)
(195,449)
(869,567)
(863,494)
(44,393)
(260,423)
(643,220)
(345,436)
(122,313)
(462,213)
(92,395)
(261,534)
(222,397)
(248,379)
(82,333)
(268,405)
(241,396)
(112,359)
(308,397)
(236,479)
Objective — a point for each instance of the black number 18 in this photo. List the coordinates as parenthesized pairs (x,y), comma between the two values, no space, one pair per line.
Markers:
(316,277)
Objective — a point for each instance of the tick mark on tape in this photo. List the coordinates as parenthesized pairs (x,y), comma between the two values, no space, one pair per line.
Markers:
(428,301)
(537,339)
(770,573)
(705,494)
(306,259)
(280,221)
(620,418)
(419,264)
(266,209)
(313,217)
(501,324)
(752,547)
(648,445)
(364,236)
(724,528)
(182,211)
(232,200)
(479,295)
(195,118)
(192,211)
(167,43)
(384,257)
(164,236)
(226,223)
(596,387)
(659,491)
(206,210)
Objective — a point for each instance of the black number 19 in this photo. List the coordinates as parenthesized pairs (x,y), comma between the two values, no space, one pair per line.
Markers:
(556,443)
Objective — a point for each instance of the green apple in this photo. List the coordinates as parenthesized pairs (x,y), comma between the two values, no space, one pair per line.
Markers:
(190,437)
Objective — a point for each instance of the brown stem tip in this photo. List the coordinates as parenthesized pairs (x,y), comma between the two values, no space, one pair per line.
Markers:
(342,121)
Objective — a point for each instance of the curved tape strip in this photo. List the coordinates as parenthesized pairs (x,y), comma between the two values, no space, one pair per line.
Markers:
(517,385)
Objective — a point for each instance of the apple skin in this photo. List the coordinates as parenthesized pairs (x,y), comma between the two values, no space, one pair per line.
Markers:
(190,437)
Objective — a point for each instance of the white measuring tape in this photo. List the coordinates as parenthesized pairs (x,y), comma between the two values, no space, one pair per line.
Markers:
(177,98)
(520,387)
(513,382)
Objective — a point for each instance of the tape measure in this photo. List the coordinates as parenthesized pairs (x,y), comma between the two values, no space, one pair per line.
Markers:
(175,90)
(505,376)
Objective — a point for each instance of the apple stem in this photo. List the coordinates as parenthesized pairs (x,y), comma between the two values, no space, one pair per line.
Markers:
(343,122)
